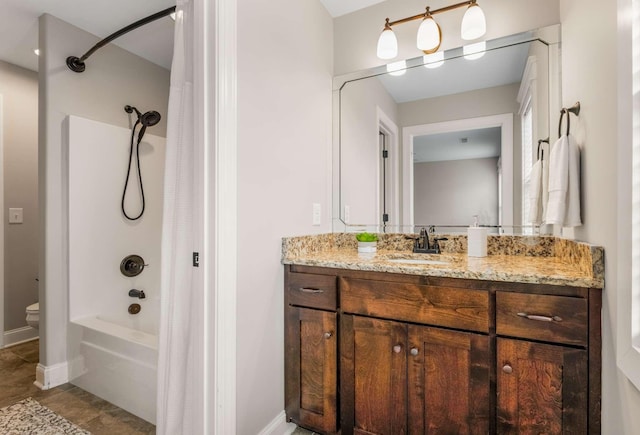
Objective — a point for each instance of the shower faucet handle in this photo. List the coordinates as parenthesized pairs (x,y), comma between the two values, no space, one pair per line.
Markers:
(134,293)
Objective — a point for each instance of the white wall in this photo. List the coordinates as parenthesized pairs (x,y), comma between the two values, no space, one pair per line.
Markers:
(113,79)
(356,34)
(452,192)
(100,237)
(360,150)
(284,161)
(590,27)
(19,88)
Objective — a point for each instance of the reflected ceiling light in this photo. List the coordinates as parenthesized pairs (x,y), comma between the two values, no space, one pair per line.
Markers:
(36,51)
(397,68)
(429,34)
(474,51)
(387,43)
(433,60)
(474,24)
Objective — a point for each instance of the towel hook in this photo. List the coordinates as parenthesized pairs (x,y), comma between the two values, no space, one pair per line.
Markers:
(575,109)
(540,142)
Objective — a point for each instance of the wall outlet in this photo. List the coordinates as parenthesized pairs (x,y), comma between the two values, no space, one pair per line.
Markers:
(16,215)
(317,214)
(347,214)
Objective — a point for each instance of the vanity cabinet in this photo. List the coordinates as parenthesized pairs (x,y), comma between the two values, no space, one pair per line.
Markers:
(311,348)
(380,353)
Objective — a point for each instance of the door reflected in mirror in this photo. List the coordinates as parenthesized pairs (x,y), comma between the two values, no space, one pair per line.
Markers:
(395,133)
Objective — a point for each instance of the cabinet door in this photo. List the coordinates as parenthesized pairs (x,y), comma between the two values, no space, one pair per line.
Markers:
(311,368)
(373,376)
(541,388)
(449,386)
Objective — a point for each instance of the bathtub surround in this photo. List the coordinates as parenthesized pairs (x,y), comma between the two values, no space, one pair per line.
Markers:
(111,353)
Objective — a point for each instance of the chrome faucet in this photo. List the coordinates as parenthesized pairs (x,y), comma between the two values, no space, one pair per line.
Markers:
(137,294)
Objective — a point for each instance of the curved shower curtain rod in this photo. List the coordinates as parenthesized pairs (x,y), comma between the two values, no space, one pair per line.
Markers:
(77,63)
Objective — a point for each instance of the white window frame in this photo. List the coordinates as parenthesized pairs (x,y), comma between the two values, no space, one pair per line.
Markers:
(628,262)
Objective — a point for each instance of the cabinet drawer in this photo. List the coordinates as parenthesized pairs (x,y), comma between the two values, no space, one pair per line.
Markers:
(315,291)
(557,319)
(439,306)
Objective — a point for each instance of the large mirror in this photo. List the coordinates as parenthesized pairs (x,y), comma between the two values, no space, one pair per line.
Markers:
(439,141)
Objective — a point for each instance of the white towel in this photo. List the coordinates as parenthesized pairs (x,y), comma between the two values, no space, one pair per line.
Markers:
(563,206)
(535,194)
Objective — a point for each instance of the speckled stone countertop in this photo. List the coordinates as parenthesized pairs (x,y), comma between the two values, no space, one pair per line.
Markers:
(525,259)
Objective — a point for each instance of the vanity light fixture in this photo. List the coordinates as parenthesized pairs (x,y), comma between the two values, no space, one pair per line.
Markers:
(429,35)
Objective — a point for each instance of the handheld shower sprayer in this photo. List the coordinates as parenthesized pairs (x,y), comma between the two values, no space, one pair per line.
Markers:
(147,119)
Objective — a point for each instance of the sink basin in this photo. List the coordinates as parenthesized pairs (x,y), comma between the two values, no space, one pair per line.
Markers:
(416,261)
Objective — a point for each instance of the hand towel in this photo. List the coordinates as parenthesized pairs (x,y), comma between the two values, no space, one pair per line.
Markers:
(563,206)
(535,194)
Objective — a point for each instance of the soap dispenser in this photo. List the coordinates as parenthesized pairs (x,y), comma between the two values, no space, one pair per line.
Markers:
(476,240)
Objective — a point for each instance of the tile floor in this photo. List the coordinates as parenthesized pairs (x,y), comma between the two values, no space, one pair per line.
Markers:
(17,373)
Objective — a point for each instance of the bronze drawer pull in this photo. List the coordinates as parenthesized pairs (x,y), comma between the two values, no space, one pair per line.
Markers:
(541,318)
(310,290)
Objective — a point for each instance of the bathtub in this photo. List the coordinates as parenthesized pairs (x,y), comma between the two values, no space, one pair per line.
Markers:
(115,362)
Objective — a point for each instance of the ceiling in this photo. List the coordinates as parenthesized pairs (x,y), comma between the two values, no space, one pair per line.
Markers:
(342,7)
(19,26)
(458,145)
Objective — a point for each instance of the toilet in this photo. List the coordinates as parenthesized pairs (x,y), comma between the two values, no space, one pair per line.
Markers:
(33,315)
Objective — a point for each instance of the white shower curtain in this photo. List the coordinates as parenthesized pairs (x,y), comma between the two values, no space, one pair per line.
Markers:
(180,363)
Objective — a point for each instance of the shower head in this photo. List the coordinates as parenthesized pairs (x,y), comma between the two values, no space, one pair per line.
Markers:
(147,119)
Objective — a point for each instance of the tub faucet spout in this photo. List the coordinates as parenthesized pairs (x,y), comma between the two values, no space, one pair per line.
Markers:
(137,294)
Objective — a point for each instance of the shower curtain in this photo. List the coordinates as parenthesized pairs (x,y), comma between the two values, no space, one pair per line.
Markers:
(180,360)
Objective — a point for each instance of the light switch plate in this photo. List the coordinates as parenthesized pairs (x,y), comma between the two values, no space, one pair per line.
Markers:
(15,215)
(317,214)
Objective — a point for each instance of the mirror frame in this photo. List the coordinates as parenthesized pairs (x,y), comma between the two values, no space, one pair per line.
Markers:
(549,36)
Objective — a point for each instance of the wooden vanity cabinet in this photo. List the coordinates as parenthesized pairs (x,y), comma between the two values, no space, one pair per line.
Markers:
(311,351)
(424,355)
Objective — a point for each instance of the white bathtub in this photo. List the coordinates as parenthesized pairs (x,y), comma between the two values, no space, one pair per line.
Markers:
(116,363)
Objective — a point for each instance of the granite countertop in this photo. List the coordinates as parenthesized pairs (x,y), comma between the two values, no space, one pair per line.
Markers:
(524,259)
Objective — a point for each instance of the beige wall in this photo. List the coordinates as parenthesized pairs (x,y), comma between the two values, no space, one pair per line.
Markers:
(590,27)
(19,88)
(356,34)
(483,102)
(113,79)
(452,192)
(284,161)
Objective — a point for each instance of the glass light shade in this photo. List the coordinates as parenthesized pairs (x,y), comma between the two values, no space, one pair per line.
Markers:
(397,68)
(474,51)
(434,60)
(474,25)
(387,44)
(428,38)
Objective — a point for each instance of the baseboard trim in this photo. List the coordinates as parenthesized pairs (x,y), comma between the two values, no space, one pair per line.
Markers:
(48,377)
(278,426)
(19,335)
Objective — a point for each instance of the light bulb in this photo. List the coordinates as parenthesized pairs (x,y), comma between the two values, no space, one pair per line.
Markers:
(397,68)
(387,43)
(429,35)
(474,51)
(474,24)
(434,60)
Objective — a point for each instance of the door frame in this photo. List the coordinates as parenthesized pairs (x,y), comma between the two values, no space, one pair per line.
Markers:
(386,125)
(504,121)
(3,220)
